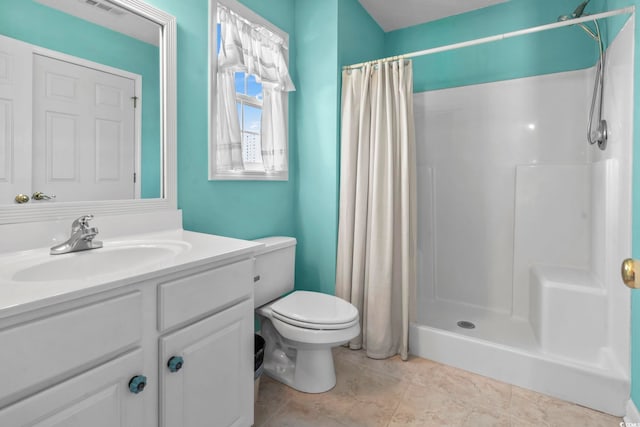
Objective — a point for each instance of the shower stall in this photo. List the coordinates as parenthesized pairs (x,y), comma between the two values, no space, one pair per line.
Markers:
(522,228)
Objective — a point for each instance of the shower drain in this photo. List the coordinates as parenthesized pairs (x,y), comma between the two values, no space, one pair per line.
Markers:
(466,324)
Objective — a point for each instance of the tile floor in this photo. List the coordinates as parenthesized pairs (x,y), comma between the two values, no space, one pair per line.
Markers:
(392,393)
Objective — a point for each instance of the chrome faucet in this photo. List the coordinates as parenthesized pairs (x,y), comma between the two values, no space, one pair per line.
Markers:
(81,238)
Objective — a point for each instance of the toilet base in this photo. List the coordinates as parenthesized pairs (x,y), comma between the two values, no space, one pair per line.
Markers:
(305,367)
(312,372)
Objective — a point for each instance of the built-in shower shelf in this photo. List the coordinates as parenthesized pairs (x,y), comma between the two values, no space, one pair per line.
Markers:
(568,312)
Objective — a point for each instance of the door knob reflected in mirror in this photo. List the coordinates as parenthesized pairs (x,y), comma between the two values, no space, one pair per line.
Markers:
(38,195)
(21,198)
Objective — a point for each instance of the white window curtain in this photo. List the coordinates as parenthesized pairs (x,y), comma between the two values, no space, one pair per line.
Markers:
(376,266)
(255,50)
(229,139)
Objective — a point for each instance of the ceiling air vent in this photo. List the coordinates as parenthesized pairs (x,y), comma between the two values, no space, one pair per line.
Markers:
(105,7)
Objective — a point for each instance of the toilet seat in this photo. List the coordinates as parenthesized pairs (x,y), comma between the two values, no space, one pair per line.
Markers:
(313,310)
(315,326)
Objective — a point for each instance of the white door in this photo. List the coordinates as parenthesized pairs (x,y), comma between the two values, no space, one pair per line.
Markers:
(97,398)
(214,387)
(15,119)
(83,132)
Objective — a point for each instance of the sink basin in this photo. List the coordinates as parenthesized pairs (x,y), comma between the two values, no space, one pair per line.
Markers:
(113,258)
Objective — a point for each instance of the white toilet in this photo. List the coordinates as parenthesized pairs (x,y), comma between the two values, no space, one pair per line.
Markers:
(301,328)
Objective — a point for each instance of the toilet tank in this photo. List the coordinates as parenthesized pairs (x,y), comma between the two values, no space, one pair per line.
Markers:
(274,269)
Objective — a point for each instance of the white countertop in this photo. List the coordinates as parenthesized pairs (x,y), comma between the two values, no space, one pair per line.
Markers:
(195,250)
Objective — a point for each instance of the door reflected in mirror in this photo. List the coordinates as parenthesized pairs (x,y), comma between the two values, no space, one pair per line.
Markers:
(80,115)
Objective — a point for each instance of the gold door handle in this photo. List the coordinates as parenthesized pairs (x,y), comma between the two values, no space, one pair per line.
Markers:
(38,195)
(21,198)
(628,271)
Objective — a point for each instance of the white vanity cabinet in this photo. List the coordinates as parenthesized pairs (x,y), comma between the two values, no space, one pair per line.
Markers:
(214,385)
(73,364)
(99,397)
(103,359)
(206,367)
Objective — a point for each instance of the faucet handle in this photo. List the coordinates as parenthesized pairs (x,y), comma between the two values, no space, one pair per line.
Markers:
(82,222)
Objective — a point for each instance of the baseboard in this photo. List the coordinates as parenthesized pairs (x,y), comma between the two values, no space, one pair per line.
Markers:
(633,416)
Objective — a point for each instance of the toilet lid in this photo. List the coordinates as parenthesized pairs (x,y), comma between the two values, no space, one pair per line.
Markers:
(309,309)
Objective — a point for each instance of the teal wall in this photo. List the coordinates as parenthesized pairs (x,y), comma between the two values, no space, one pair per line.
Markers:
(49,28)
(243,209)
(552,51)
(317,161)
(329,34)
(360,37)
(323,35)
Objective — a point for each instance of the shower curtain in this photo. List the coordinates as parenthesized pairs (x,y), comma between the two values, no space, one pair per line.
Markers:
(376,268)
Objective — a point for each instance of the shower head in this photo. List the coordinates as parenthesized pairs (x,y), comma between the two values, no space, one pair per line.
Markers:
(577,13)
(580,9)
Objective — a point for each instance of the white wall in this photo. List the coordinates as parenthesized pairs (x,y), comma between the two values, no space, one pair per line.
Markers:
(470,141)
(552,223)
(613,189)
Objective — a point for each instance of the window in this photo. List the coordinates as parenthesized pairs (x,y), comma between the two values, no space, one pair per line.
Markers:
(248,104)
(249,100)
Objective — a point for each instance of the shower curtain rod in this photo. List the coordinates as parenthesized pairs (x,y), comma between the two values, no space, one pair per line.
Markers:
(586,18)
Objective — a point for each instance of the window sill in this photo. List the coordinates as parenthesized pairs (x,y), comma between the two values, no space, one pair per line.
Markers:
(249,176)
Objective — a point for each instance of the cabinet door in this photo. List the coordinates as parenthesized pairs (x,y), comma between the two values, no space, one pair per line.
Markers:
(97,398)
(214,387)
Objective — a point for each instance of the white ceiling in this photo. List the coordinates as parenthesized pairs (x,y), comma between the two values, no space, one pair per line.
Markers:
(396,14)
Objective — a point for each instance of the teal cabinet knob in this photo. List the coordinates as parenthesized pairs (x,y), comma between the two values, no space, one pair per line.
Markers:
(137,384)
(175,363)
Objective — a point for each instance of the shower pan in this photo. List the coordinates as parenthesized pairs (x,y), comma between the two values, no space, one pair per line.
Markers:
(523,226)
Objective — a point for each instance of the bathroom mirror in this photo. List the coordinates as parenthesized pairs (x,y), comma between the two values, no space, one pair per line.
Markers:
(87,108)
